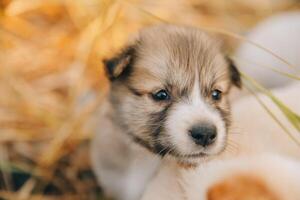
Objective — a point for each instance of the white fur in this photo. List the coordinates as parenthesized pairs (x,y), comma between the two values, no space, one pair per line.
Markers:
(187,114)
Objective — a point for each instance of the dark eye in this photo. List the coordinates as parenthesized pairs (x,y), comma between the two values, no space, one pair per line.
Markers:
(161,95)
(216,95)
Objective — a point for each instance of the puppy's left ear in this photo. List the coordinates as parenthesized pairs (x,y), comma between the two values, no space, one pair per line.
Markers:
(235,75)
(120,65)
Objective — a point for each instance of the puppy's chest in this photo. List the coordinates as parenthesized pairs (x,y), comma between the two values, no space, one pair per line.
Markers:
(142,161)
(142,164)
(141,167)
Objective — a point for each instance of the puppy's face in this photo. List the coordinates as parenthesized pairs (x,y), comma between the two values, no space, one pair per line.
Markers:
(169,90)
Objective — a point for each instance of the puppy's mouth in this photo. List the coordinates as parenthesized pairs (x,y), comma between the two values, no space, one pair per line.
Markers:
(165,150)
(194,157)
(190,156)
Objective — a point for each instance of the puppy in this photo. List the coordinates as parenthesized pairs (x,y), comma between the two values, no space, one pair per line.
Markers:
(259,177)
(168,99)
(285,44)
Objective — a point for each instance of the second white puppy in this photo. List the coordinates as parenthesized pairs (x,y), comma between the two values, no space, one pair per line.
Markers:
(266,177)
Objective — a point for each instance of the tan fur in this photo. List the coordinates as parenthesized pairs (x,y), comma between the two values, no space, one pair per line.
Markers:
(172,55)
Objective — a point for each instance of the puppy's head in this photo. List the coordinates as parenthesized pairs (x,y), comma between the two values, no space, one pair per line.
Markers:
(169,91)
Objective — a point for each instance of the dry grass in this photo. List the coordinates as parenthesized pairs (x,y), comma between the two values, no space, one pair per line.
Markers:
(51,79)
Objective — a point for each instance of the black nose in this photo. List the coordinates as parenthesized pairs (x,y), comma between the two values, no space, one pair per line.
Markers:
(204,135)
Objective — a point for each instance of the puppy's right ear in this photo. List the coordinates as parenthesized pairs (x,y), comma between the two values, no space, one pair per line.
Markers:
(120,65)
(235,74)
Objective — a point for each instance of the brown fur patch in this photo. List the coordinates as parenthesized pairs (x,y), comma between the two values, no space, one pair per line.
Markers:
(241,187)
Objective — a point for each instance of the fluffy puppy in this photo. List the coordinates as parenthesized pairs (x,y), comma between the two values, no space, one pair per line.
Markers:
(168,98)
(260,177)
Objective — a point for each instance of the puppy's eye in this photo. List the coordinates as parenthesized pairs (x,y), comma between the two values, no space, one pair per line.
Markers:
(216,95)
(161,95)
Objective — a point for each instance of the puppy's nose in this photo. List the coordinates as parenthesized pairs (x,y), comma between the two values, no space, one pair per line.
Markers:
(204,135)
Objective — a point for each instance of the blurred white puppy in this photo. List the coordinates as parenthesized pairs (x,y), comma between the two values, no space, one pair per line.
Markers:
(261,177)
(280,34)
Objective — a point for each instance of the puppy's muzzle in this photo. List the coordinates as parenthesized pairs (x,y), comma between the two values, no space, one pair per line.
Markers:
(203,134)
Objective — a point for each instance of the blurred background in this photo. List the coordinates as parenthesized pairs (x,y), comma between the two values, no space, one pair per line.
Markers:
(51,79)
